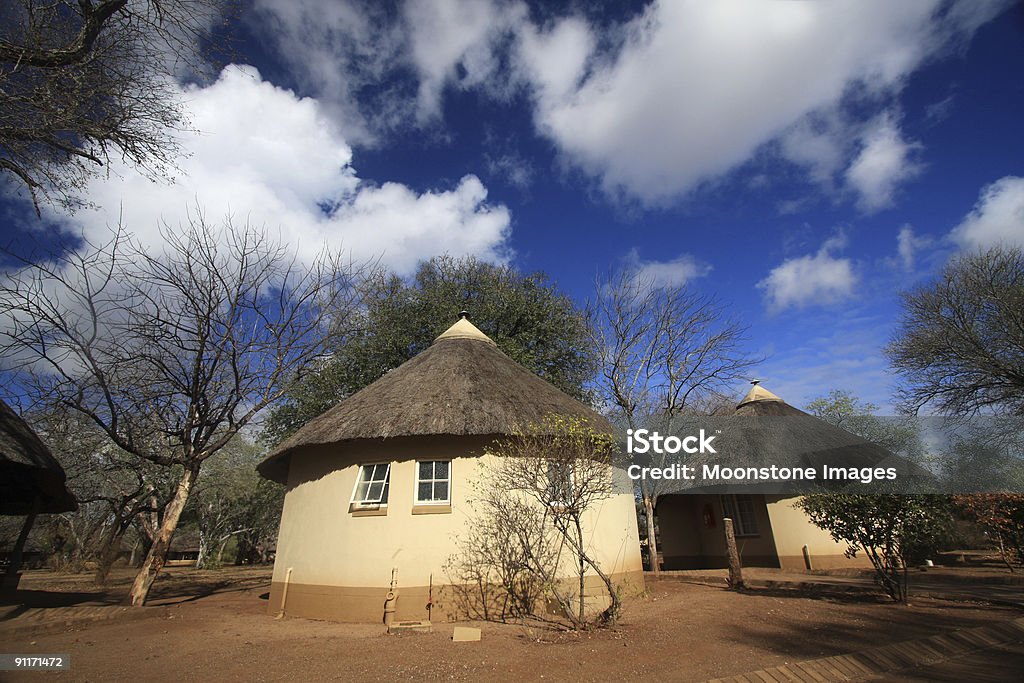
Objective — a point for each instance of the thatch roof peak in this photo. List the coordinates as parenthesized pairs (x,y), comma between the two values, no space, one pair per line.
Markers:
(463,329)
(758,393)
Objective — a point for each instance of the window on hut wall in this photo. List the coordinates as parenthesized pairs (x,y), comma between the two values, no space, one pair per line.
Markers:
(372,486)
(740,508)
(433,482)
(560,483)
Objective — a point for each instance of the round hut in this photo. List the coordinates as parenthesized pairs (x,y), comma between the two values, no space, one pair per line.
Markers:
(770,528)
(378,487)
(31,482)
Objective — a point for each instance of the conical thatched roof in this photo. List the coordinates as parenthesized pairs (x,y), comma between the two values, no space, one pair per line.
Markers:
(461,385)
(772,432)
(28,470)
(811,438)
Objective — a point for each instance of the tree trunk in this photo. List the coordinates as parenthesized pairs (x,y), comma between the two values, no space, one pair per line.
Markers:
(204,550)
(108,551)
(582,569)
(652,535)
(157,555)
(735,570)
(220,550)
(14,566)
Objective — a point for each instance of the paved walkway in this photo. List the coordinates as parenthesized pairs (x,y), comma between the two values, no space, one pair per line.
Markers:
(988,653)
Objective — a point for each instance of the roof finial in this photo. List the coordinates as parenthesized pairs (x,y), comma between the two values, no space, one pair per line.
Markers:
(755,381)
(463,315)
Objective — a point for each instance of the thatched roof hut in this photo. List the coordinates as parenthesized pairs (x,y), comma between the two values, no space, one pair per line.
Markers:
(764,430)
(462,385)
(772,530)
(382,487)
(28,470)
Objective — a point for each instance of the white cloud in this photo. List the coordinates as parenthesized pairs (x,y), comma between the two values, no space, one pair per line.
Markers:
(652,108)
(817,279)
(453,42)
(698,87)
(908,244)
(673,273)
(997,218)
(270,157)
(884,161)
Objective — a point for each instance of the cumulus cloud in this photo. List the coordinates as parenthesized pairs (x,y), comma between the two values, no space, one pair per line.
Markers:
(813,279)
(697,88)
(268,156)
(997,217)
(672,273)
(884,162)
(652,107)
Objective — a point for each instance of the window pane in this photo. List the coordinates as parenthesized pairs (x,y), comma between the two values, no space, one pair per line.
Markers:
(441,469)
(374,492)
(426,469)
(441,490)
(360,492)
(384,495)
(423,492)
(748,518)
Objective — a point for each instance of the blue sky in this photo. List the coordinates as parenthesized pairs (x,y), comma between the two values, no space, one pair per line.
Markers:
(802,161)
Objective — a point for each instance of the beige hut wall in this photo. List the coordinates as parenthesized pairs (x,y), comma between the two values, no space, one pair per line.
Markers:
(793,530)
(338,564)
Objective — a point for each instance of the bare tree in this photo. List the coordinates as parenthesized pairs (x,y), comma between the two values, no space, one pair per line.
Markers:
(960,344)
(507,556)
(172,353)
(86,80)
(113,487)
(665,351)
(563,468)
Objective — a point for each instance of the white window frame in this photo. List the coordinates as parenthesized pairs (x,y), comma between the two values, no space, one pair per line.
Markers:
(416,485)
(372,504)
(731,508)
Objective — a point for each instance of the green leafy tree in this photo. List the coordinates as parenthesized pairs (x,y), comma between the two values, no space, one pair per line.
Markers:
(844,409)
(232,502)
(890,529)
(526,315)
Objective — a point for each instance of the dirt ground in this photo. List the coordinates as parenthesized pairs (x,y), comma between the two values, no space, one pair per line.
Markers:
(213,625)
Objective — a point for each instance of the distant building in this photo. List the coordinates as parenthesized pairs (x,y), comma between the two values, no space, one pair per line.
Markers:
(770,530)
(380,483)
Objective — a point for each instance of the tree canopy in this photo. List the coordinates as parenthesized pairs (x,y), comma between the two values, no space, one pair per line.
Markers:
(959,347)
(526,315)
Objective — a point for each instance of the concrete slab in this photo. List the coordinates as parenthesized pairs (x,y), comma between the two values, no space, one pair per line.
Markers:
(411,627)
(465,634)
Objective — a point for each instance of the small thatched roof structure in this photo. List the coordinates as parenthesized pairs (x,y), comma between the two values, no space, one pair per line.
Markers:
(772,432)
(28,470)
(462,385)
(811,438)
